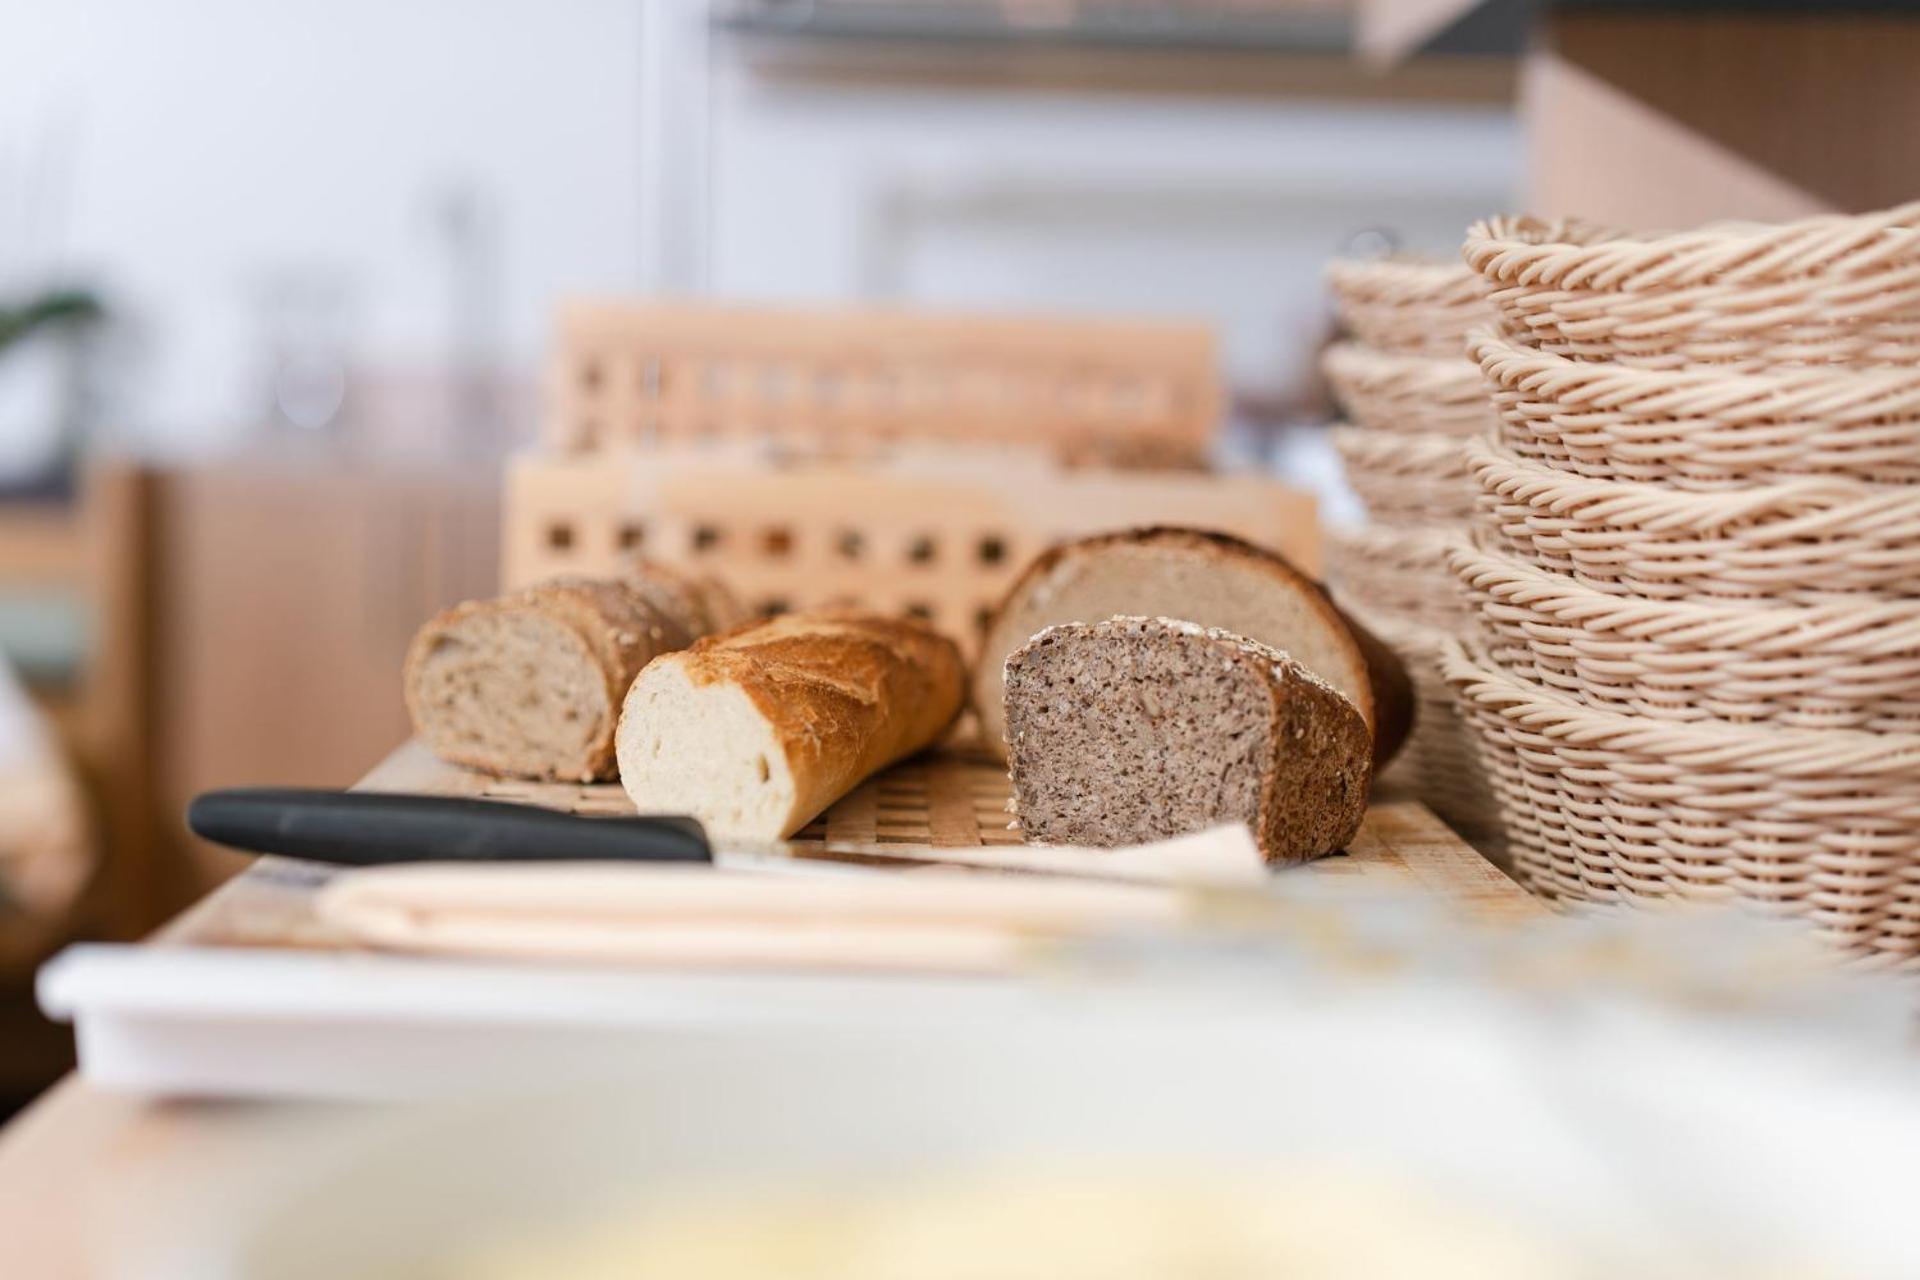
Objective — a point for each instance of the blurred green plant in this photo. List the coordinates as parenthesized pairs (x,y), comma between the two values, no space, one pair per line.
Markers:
(55,309)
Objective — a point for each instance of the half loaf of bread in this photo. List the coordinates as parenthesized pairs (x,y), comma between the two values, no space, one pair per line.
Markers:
(1206,578)
(530,683)
(759,729)
(1136,729)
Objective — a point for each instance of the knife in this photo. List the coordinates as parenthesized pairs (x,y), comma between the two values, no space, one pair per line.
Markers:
(371,828)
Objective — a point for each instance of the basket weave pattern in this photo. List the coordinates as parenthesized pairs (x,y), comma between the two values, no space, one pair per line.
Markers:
(1417,477)
(1441,395)
(1802,541)
(1820,824)
(1838,666)
(1826,290)
(1406,306)
(1703,429)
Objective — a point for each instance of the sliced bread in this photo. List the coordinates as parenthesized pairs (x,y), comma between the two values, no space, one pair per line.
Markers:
(1206,578)
(529,684)
(1136,729)
(759,729)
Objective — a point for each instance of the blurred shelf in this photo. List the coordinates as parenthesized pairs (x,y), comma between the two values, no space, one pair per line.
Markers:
(1316,26)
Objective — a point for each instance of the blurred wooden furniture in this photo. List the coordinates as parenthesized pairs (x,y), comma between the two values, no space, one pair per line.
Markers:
(1092,391)
(1669,114)
(938,537)
(286,593)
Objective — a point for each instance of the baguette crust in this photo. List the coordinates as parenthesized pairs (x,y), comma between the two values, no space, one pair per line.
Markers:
(616,631)
(1384,699)
(843,693)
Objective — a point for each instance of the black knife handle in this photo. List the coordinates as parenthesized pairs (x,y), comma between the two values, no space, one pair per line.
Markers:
(370,828)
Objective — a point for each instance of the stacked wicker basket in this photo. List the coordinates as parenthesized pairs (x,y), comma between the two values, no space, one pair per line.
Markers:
(1412,399)
(1695,566)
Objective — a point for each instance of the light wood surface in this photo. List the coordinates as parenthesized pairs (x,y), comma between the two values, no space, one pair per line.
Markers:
(79,1148)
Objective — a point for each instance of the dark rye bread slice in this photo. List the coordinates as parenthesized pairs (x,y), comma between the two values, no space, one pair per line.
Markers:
(1208,578)
(529,684)
(1137,729)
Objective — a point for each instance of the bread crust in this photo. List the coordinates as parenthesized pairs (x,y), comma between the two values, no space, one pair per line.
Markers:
(1389,708)
(618,629)
(844,691)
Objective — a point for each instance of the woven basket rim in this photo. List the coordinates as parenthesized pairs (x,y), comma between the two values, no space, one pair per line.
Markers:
(1362,361)
(1408,279)
(1571,253)
(1573,603)
(1833,501)
(1836,391)
(1706,745)
(1399,452)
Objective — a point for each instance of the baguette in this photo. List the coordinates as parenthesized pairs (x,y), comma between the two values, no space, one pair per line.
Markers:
(529,684)
(1137,729)
(757,730)
(1207,578)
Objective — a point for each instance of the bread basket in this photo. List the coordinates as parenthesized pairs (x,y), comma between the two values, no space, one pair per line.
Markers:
(1703,429)
(1398,572)
(1391,392)
(1823,825)
(1412,476)
(1439,762)
(1805,540)
(1831,289)
(1853,665)
(1407,305)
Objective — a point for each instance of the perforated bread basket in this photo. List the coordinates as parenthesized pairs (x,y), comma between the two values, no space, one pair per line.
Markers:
(1853,665)
(1407,476)
(1407,305)
(1805,540)
(1391,392)
(1703,429)
(1823,825)
(1831,289)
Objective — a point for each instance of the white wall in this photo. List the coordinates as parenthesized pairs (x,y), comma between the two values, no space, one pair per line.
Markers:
(215,145)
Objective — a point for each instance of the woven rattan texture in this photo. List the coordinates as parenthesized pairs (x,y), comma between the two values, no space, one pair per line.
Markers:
(1827,290)
(1439,762)
(1407,306)
(1407,477)
(1804,541)
(952,800)
(1822,825)
(1703,429)
(1442,395)
(1398,574)
(1833,666)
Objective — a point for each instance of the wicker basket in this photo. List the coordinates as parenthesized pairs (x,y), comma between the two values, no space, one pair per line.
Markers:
(1388,392)
(1439,763)
(1406,305)
(1407,476)
(1833,289)
(1703,429)
(1835,666)
(1398,572)
(1819,824)
(1806,541)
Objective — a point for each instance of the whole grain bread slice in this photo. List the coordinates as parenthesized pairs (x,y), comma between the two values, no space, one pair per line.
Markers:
(1138,729)
(1212,579)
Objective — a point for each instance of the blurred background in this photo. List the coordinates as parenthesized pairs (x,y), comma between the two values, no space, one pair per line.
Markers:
(277,286)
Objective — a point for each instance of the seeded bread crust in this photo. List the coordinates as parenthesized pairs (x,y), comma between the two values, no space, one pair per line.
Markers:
(1314,773)
(612,626)
(700,603)
(1384,697)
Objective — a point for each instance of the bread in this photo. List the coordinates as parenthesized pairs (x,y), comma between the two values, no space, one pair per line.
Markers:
(759,729)
(700,603)
(1208,578)
(1136,729)
(530,683)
